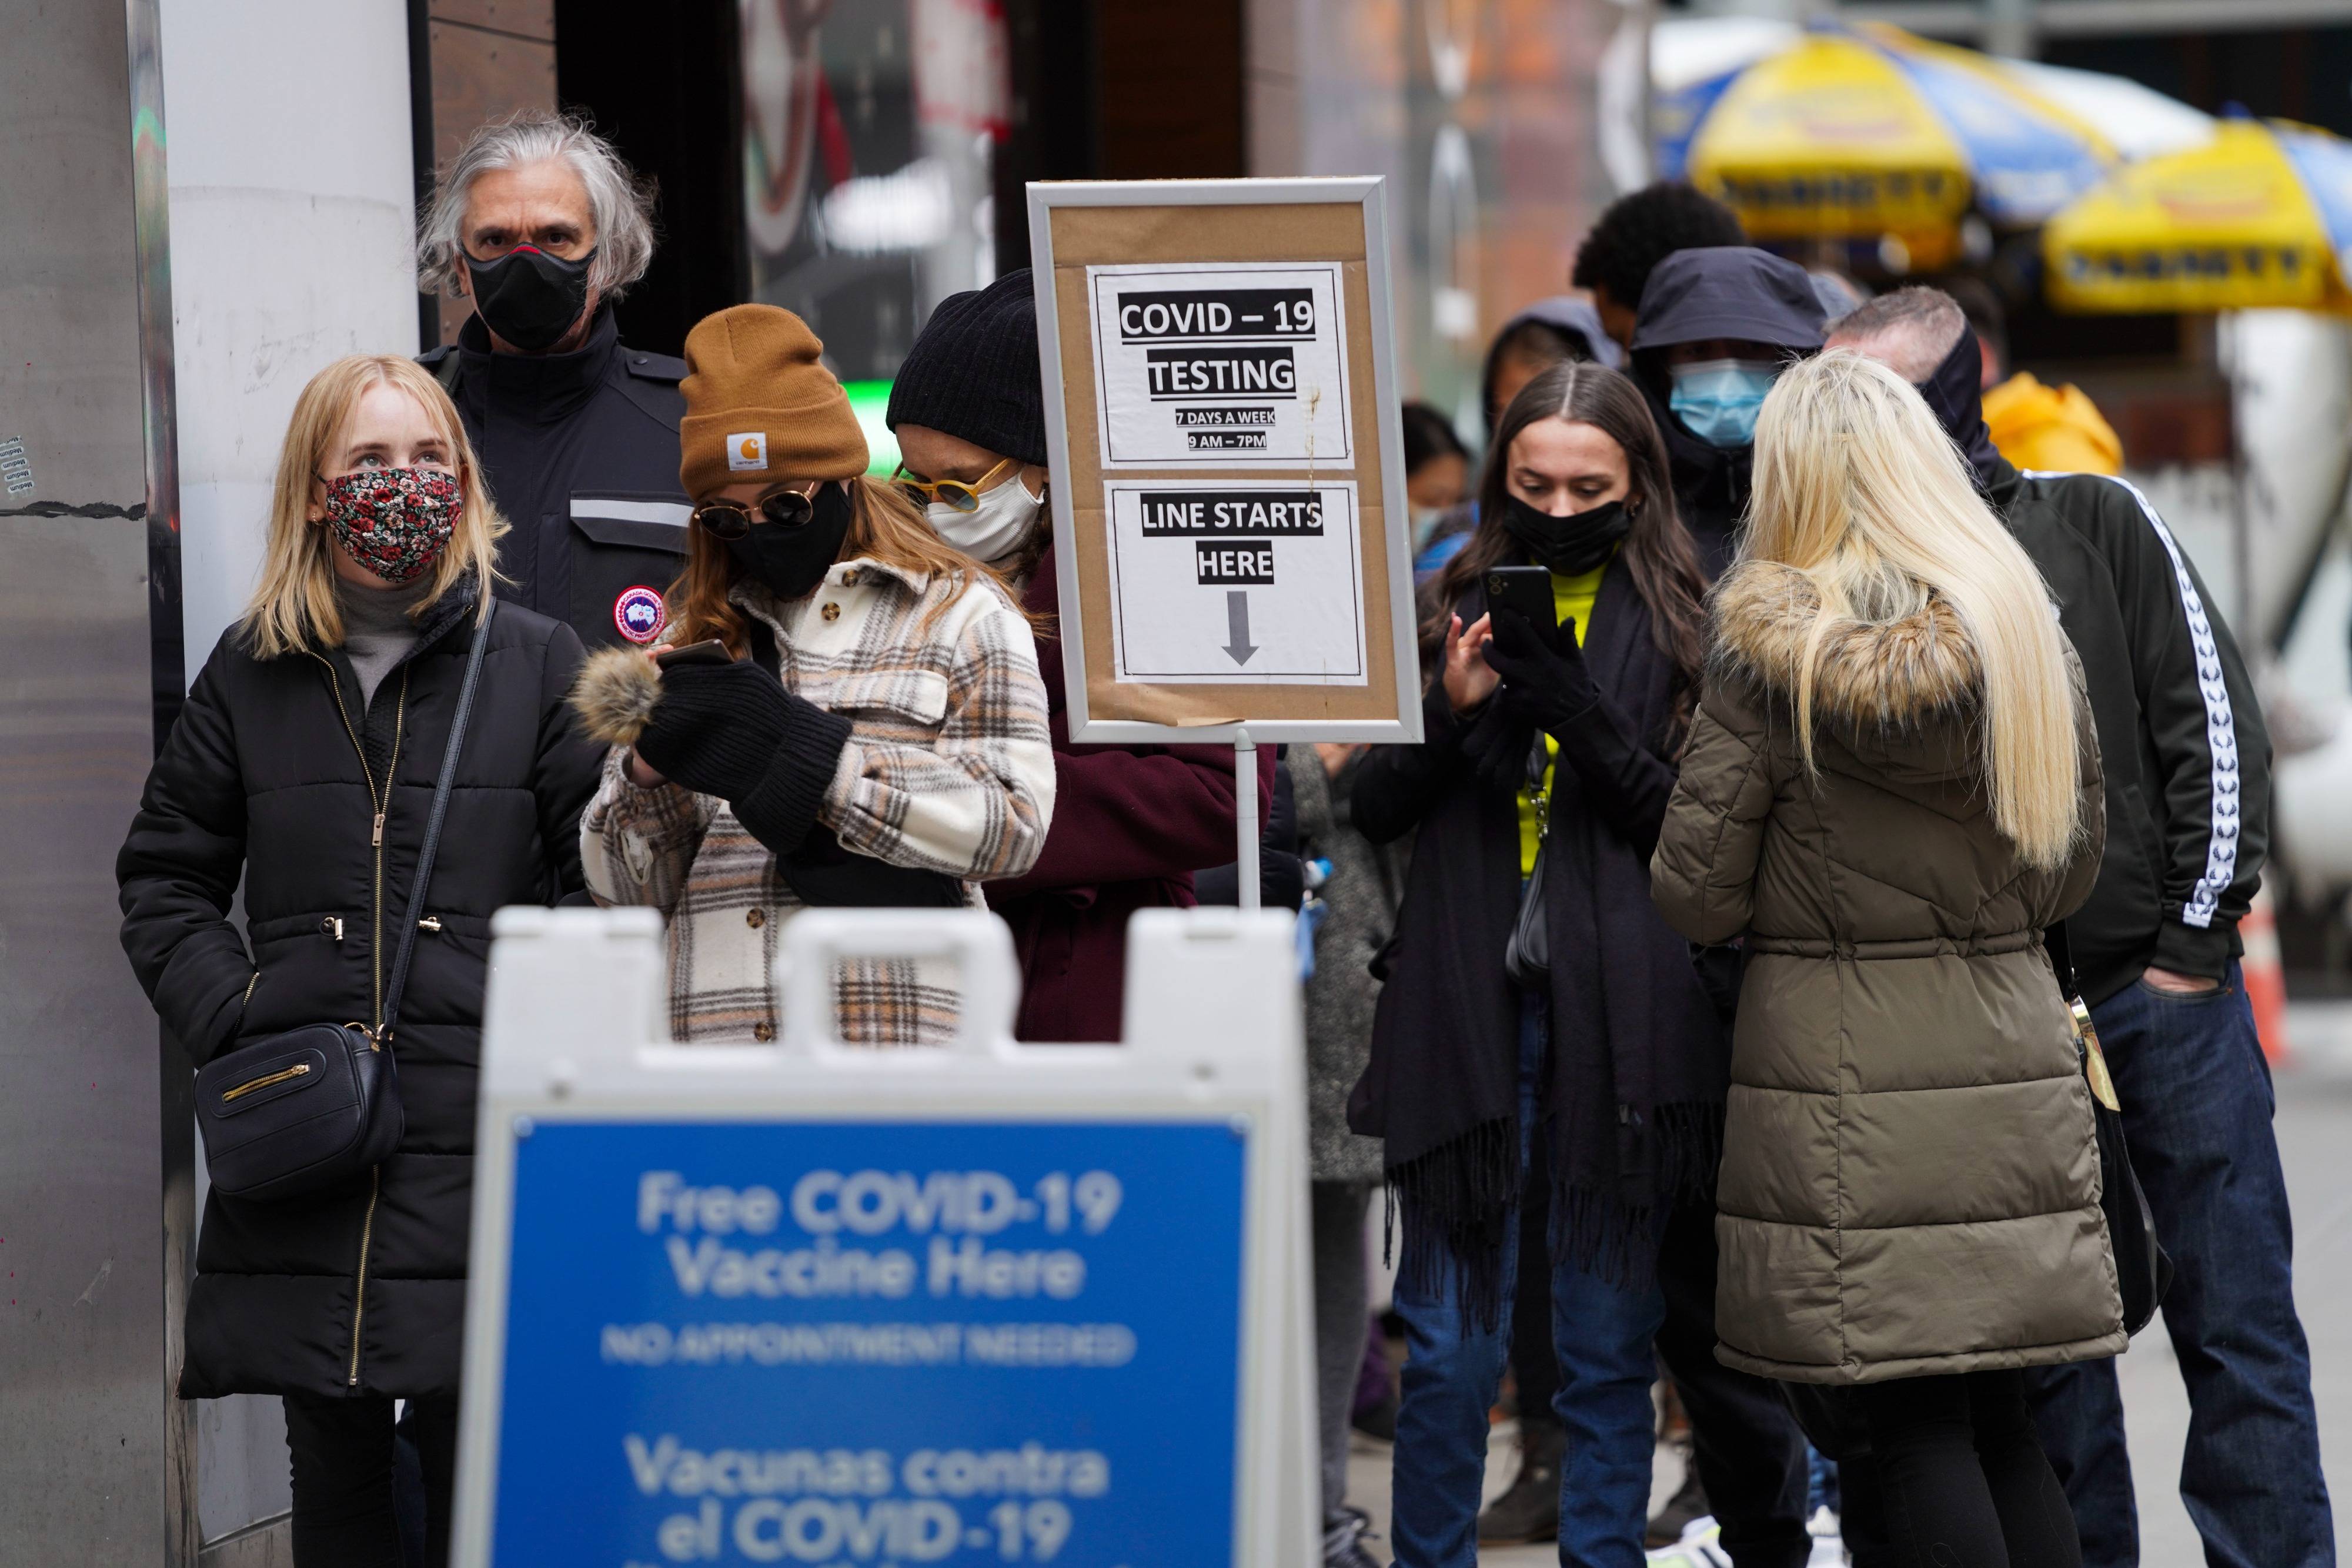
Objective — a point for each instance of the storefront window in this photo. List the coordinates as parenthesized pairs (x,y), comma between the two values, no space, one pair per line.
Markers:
(869,128)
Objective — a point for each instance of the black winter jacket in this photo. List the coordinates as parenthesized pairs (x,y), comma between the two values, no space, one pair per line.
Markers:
(2182,738)
(359,1290)
(580,451)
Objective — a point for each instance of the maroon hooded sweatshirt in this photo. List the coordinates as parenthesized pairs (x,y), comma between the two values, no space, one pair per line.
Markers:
(1131,824)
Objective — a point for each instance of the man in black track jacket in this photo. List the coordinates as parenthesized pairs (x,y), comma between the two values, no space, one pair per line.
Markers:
(2187,791)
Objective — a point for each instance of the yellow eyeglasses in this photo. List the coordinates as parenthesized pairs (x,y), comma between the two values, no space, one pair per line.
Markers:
(953,493)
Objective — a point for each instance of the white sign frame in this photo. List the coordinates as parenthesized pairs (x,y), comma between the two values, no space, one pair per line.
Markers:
(575,1028)
(1367,191)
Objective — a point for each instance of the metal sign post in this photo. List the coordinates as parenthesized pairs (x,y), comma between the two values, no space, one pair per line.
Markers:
(1245,815)
(824,1304)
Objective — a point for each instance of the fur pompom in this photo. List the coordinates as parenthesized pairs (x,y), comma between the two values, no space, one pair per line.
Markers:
(615,693)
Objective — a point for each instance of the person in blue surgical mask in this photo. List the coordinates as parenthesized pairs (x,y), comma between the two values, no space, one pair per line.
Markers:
(1716,327)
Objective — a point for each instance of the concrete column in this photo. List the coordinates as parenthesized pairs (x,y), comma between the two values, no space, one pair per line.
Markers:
(93,1198)
(290,187)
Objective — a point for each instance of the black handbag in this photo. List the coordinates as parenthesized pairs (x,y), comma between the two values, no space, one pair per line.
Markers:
(316,1105)
(2143,1269)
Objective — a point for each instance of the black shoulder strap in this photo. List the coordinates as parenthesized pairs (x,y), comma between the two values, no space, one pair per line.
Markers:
(433,824)
(2061,958)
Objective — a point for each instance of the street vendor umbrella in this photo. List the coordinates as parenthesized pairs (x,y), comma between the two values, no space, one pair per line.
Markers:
(1838,130)
(2259,217)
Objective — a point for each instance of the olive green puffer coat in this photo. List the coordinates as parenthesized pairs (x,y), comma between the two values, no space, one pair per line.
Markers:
(1910,1175)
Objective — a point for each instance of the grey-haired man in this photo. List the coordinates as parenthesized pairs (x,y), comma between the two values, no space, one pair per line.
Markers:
(538,222)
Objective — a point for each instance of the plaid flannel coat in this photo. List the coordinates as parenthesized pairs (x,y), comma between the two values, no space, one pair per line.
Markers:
(948,768)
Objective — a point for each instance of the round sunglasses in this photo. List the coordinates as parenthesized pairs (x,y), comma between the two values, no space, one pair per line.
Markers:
(953,494)
(732,520)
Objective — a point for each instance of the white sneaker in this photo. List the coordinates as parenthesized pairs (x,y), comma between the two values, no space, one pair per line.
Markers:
(1828,1543)
(1700,1547)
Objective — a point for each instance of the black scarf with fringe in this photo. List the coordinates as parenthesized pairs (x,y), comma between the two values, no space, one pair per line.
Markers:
(1633,1092)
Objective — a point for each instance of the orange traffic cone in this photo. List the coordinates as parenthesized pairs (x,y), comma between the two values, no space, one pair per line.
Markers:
(2265,975)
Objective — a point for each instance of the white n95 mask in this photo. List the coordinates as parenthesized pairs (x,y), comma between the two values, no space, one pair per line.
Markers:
(998,523)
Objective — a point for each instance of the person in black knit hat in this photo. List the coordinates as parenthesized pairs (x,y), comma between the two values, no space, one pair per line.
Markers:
(969,411)
(1134,822)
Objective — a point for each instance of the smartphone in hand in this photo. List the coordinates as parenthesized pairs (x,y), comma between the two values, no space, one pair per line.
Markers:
(709,651)
(1525,591)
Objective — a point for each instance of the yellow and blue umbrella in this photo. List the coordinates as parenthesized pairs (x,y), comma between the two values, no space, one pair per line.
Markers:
(2259,217)
(1858,132)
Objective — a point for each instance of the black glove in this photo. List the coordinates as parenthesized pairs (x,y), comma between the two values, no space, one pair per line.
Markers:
(1543,685)
(732,731)
(822,875)
(1495,749)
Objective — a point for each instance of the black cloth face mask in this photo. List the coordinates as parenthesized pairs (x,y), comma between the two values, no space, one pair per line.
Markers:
(529,298)
(1953,393)
(790,560)
(1569,546)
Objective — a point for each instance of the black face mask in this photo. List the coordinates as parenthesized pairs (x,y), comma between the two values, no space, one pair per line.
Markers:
(529,298)
(790,560)
(1571,545)
(1953,393)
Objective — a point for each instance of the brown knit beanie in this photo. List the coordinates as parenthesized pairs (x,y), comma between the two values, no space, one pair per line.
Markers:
(761,405)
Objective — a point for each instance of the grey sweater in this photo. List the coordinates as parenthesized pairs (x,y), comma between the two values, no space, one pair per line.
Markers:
(377,630)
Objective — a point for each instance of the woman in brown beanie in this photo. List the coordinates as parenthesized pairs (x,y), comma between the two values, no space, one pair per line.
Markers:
(878,737)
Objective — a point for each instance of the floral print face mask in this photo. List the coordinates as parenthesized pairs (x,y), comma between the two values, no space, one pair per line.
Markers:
(395,521)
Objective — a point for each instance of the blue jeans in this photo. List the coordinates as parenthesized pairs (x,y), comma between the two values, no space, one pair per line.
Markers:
(1453,1369)
(2196,1111)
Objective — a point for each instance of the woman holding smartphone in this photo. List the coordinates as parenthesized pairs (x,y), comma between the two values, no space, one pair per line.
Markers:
(1613,1059)
(304,765)
(873,733)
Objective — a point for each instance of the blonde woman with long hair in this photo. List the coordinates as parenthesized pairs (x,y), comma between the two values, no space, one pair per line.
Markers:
(304,765)
(1892,787)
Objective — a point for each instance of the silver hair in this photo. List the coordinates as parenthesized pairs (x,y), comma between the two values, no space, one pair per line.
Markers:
(620,201)
(1911,330)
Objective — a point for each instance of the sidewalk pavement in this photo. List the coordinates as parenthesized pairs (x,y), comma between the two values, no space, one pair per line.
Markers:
(2315,1132)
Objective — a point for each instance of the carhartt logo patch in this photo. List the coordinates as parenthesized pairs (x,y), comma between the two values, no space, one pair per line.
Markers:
(747,453)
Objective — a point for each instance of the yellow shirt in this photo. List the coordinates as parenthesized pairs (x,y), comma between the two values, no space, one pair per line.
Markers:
(1572,602)
(2055,428)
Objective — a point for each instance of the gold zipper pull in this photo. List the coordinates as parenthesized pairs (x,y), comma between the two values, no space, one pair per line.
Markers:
(375,835)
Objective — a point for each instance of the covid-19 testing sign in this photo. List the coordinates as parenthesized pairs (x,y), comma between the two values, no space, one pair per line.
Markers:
(1228,471)
(818,1305)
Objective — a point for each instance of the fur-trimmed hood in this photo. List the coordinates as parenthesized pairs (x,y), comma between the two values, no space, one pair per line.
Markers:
(615,695)
(1872,678)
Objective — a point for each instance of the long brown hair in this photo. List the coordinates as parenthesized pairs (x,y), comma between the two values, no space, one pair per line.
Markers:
(883,526)
(1658,552)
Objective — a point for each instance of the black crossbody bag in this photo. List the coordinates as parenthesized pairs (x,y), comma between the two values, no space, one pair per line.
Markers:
(316,1105)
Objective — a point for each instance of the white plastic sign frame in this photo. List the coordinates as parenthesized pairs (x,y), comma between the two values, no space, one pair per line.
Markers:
(576,1030)
(1402,653)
